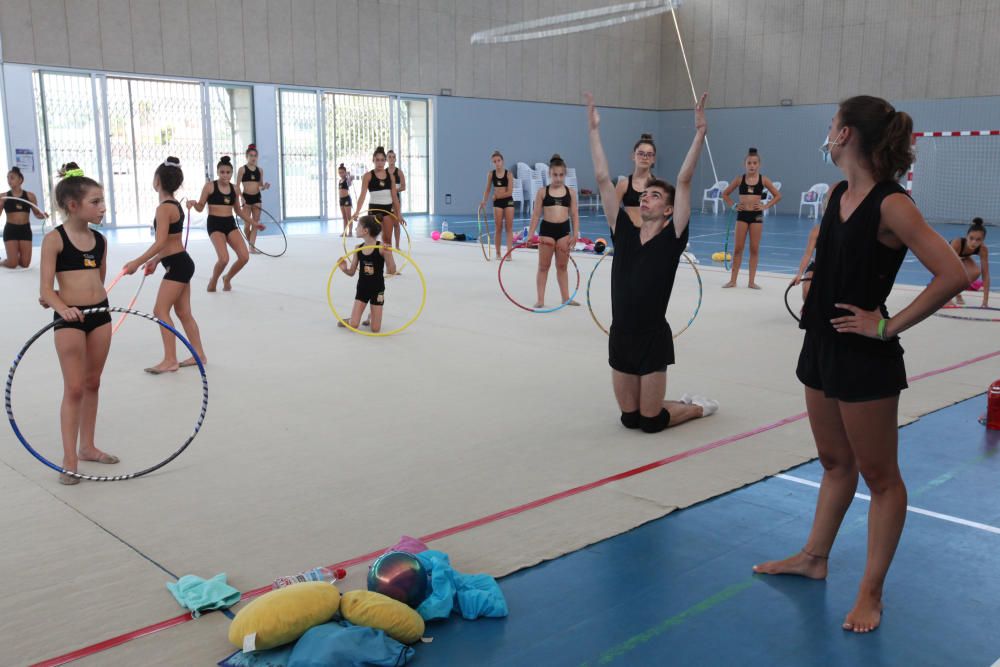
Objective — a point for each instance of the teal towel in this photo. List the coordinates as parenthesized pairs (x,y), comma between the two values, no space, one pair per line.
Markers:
(198,595)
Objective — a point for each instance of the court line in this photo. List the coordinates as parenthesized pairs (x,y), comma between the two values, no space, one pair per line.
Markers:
(118,640)
(909,508)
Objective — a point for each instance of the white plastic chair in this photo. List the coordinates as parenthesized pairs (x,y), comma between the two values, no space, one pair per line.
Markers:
(768,197)
(570,172)
(713,195)
(813,198)
(534,186)
(517,194)
(543,171)
(571,182)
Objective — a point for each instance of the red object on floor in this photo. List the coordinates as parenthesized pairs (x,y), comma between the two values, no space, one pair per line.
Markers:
(993,406)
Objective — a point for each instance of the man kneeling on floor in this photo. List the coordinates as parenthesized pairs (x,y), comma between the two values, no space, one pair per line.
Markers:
(641,346)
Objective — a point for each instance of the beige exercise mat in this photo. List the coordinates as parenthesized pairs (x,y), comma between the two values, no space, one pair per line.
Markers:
(321,445)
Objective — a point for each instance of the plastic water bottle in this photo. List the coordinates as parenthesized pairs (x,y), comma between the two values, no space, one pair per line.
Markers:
(444,226)
(993,406)
(326,574)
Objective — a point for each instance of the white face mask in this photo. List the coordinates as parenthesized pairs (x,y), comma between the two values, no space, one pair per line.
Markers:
(827,147)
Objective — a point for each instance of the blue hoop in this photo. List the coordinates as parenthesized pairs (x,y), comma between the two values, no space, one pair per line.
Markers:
(106,478)
(536,310)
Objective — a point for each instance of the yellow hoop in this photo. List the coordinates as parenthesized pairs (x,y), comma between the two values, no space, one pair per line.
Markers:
(409,241)
(423,285)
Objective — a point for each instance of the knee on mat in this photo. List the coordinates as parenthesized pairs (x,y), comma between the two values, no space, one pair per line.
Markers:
(655,424)
(630,419)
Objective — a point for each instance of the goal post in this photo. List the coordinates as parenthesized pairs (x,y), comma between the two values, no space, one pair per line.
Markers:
(955,176)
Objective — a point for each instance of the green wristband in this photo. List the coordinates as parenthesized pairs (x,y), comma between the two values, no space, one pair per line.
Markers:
(881,328)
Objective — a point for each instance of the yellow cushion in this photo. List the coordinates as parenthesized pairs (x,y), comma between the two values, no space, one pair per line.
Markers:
(283,615)
(381,612)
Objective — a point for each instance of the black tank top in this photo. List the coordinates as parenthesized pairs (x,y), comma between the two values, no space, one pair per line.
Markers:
(175,227)
(12,206)
(394,175)
(852,265)
(71,258)
(549,200)
(961,252)
(371,268)
(219,199)
(344,184)
(632,196)
(755,190)
(250,175)
(375,183)
(642,276)
(500,181)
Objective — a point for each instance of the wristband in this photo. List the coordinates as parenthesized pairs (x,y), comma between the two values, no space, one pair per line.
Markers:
(881,328)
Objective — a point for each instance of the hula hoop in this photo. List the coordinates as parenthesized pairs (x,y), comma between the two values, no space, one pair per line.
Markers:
(484,237)
(536,310)
(787,291)
(131,303)
(329,293)
(697,308)
(518,32)
(965,317)
(32,205)
(409,241)
(277,224)
(106,478)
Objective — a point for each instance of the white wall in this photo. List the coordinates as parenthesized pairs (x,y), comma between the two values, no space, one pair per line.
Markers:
(22,130)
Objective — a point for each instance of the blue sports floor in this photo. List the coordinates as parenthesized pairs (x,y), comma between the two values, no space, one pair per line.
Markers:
(680,591)
(782,245)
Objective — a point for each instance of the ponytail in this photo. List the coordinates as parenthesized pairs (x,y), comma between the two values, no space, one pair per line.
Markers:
(886,135)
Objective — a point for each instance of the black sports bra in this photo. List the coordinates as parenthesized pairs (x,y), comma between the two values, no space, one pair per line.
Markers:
(755,190)
(13,206)
(71,258)
(394,175)
(344,184)
(564,200)
(219,199)
(500,181)
(961,252)
(375,183)
(632,197)
(175,227)
(250,175)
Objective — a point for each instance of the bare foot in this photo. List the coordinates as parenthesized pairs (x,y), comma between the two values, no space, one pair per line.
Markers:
(731,283)
(341,325)
(959,301)
(866,615)
(801,564)
(97,456)
(572,303)
(211,287)
(162,367)
(68,480)
(753,286)
(190,361)
(540,304)
(227,284)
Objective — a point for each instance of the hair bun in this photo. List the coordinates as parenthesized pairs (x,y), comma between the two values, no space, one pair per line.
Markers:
(252,147)
(341,166)
(172,161)
(16,170)
(752,151)
(380,149)
(645,136)
(225,159)
(975,221)
(555,156)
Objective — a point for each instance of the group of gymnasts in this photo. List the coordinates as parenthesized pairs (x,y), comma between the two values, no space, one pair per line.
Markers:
(850,362)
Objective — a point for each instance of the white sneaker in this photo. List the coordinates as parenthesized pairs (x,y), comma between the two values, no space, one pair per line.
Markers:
(707,405)
(686,399)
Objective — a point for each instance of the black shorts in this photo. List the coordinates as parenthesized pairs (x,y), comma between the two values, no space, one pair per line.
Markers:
(90,322)
(221,224)
(250,199)
(346,201)
(750,217)
(17,232)
(179,267)
(372,294)
(554,230)
(380,211)
(503,202)
(641,353)
(850,368)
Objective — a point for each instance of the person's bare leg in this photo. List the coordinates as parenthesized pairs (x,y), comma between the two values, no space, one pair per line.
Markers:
(873,432)
(169,293)
(239,246)
(24,249)
(13,258)
(509,225)
(498,225)
(545,250)
(626,388)
(182,307)
(652,390)
(562,270)
(222,258)
(98,345)
(756,232)
(739,241)
(71,348)
(375,318)
(836,491)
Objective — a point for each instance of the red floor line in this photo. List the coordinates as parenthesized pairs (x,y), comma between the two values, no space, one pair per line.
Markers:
(482,521)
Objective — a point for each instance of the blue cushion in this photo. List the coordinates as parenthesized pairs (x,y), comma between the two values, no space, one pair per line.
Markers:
(274,657)
(340,644)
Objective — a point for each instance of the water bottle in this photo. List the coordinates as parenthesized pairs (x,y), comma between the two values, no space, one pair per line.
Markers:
(444,226)
(524,235)
(326,574)
(993,406)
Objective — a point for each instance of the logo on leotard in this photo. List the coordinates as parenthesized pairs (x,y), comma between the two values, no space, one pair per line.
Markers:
(225,200)
(369,269)
(89,262)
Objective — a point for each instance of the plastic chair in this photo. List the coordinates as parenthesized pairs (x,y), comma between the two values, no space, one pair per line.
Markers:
(768,198)
(713,195)
(543,170)
(813,198)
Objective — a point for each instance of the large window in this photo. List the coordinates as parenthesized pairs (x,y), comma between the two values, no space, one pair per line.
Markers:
(414,153)
(360,123)
(300,169)
(64,104)
(231,110)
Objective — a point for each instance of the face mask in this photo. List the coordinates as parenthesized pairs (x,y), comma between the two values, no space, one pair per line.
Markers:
(826,148)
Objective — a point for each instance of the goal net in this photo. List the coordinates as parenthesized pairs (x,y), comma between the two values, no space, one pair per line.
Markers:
(954,178)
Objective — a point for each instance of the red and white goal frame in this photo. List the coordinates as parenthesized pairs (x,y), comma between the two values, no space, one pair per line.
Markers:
(950,133)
